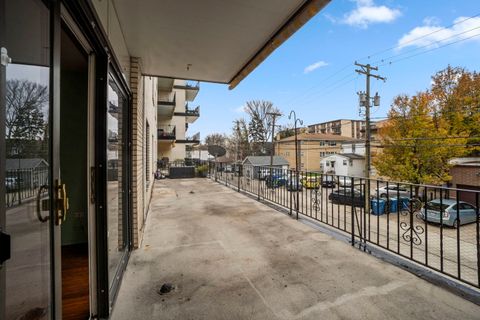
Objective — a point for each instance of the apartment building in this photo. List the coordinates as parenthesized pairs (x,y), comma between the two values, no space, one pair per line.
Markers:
(93,65)
(343,127)
(312,147)
(176,111)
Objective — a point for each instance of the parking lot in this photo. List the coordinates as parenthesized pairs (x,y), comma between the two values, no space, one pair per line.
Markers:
(453,251)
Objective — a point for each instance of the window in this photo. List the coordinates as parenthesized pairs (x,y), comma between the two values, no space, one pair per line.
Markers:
(322,143)
(302,154)
(344,162)
(322,154)
(350,162)
(466,206)
(302,164)
(332,143)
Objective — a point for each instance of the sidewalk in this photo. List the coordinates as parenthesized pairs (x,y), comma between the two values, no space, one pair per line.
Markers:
(230,257)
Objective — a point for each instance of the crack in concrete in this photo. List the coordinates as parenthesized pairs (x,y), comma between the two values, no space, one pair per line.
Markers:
(362,293)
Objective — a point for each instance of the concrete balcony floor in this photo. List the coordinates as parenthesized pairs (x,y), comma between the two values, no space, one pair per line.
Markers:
(230,257)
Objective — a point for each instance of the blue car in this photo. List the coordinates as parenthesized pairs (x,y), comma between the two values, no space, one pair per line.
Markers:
(275,181)
(445,211)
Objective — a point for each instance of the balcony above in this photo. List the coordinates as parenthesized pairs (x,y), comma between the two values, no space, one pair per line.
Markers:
(166,134)
(166,105)
(193,140)
(191,89)
(165,84)
(190,114)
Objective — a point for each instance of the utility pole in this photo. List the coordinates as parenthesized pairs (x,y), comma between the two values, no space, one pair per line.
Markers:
(366,69)
(274,115)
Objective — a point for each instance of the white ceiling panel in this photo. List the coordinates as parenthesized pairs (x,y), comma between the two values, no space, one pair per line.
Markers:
(208,40)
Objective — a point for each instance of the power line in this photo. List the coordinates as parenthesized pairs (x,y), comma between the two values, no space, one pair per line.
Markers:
(418,38)
(433,49)
(427,45)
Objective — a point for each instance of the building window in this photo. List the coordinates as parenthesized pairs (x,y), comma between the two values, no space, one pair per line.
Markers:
(322,154)
(302,164)
(344,162)
(322,143)
(302,154)
(332,143)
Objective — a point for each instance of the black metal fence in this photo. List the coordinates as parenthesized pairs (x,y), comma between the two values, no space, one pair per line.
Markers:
(22,185)
(437,227)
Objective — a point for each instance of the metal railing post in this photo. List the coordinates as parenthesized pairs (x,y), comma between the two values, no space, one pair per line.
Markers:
(258,186)
(352,182)
(238,180)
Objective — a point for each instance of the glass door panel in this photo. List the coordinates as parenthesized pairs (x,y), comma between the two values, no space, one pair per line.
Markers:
(116,181)
(27,160)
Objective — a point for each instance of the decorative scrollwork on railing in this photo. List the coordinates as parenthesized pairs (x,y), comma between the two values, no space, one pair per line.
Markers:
(412,234)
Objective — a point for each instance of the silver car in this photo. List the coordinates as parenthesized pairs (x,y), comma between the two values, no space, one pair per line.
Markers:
(394,190)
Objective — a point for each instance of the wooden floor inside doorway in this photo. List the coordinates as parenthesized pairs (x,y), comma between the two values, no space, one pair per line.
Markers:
(75,285)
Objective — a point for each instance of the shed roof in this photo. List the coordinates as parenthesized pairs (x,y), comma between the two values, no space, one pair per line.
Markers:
(265,161)
(28,163)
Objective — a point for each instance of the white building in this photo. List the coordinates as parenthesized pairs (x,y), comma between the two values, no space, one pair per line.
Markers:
(347,164)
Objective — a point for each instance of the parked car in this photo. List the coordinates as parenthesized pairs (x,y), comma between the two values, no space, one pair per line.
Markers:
(328,182)
(294,184)
(11,183)
(311,182)
(344,196)
(394,190)
(263,173)
(275,181)
(445,211)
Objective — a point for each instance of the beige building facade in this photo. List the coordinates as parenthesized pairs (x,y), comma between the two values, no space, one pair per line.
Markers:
(343,127)
(175,113)
(312,147)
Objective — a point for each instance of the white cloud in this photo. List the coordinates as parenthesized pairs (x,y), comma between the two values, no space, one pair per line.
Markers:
(433,35)
(315,66)
(367,13)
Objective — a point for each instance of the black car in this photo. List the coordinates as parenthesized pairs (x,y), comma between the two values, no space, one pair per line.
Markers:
(293,184)
(344,196)
(328,182)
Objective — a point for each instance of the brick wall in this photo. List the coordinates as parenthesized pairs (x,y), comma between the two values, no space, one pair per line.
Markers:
(465,175)
(137,150)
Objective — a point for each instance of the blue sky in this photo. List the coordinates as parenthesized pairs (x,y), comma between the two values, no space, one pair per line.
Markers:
(313,72)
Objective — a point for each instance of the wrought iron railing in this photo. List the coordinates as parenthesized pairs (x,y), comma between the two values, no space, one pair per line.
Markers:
(436,227)
(22,185)
(166,132)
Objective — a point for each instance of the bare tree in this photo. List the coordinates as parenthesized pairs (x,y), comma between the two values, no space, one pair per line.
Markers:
(216,139)
(260,124)
(24,115)
(238,141)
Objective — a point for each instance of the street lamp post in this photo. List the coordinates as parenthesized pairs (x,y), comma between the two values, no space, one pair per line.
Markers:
(274,115)
(295,121)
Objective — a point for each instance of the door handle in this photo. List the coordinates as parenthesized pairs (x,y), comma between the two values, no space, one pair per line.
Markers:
(42,205)
(61,202)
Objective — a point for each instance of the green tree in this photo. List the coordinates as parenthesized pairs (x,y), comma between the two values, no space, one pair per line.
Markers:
(415,144)
(456,93)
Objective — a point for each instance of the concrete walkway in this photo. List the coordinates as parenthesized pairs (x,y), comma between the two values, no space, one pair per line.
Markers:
(231,257)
